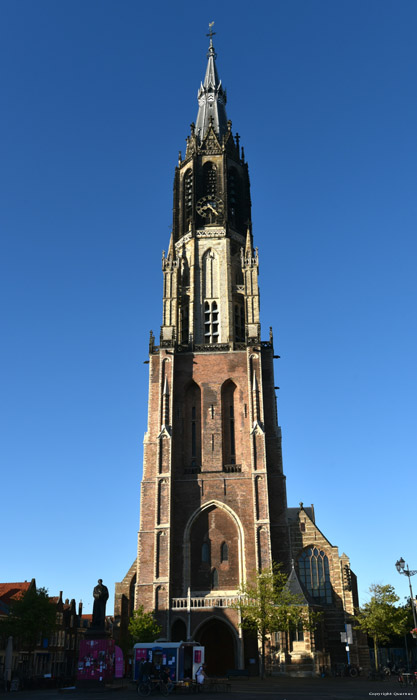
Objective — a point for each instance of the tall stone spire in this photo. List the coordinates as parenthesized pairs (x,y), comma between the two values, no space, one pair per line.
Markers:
(211,99)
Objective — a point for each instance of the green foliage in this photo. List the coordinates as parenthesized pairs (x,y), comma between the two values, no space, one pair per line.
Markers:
(143,627)
(380,618)
(267,606)
(31,617)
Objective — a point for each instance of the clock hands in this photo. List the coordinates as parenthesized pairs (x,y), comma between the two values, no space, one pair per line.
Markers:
(210,205)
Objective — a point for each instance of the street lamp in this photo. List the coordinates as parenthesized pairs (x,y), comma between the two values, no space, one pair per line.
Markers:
(400,566)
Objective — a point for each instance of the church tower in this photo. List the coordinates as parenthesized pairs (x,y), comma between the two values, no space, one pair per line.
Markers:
(213,500)
(213,497)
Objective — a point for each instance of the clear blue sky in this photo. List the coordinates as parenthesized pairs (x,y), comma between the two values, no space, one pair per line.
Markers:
(96,100)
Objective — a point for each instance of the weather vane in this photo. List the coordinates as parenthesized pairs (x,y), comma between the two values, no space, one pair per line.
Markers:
(211,33)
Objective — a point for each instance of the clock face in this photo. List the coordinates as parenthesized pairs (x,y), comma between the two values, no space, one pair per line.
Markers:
(210,205)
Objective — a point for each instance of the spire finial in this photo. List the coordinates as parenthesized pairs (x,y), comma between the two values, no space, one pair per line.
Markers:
(211,33)
(211,98)
(211,51)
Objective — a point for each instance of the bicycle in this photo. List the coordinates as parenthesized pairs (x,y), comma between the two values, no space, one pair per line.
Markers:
(155,686)
(346,670)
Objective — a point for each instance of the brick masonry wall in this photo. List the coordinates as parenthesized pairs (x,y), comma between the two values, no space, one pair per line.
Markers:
(232,503)
(304,534)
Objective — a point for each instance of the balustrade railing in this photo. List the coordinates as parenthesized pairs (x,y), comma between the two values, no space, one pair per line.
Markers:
(209,602)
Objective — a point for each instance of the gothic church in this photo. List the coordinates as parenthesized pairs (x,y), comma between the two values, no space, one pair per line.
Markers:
(213,497)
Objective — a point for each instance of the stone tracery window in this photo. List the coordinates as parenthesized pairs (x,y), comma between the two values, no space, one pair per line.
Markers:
(314,573)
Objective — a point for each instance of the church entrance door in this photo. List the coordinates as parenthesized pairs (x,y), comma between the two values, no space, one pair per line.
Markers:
(220,647)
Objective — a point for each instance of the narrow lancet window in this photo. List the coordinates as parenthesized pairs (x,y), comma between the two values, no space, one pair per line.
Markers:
(205,553)
(193,436)
(192,427)
(210,179)
(224,552)
(188,198)
(185,322)
(230,445)
(232,435)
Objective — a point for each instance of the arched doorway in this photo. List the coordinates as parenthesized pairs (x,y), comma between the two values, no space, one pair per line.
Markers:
(220,646)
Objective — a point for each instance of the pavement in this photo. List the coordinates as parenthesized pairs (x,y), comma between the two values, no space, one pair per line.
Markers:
(281,688)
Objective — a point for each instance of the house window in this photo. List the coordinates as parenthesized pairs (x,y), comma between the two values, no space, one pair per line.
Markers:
(313,569)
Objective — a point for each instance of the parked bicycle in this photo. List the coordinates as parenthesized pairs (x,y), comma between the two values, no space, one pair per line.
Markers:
(153,686)
(346,670)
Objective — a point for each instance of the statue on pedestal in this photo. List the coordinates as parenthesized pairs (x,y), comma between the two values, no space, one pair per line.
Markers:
(101,595)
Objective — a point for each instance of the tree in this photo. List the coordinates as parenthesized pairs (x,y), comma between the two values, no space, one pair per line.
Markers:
(267,606)
(31,617)
(380,618)
(143,627)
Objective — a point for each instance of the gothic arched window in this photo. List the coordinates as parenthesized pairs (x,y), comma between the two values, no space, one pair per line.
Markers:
(224,552)
(239,323)
(228,420)
(205,553)
(159,597)
(233,194)
(188,197)
(185,320)
(192,426)
(210,179)
(313,570)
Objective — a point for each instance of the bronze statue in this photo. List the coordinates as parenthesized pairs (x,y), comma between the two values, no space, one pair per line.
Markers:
(101,595)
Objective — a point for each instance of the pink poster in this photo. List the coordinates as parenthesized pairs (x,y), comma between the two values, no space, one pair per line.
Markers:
(96,659)
(119,664)
(141,654)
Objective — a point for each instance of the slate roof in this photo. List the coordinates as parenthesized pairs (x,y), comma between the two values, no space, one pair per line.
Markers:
(294,586)
(292,513)
(211,101)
